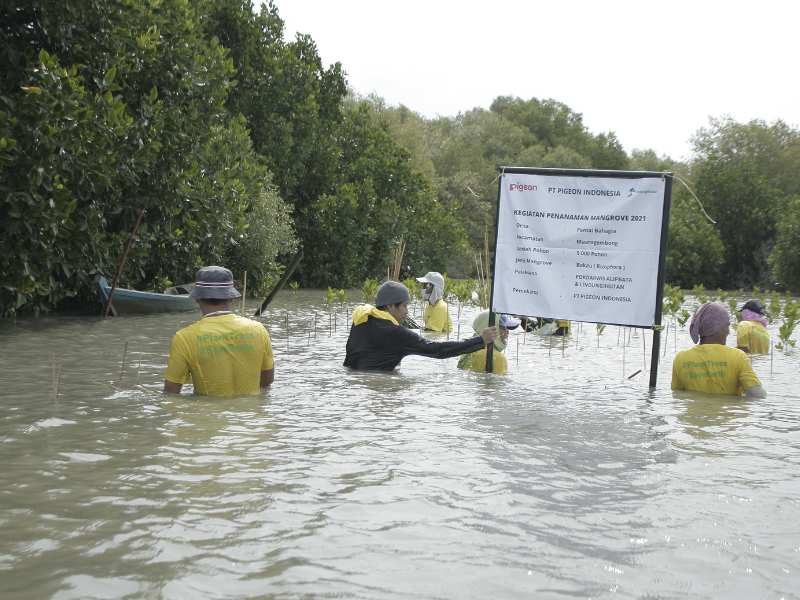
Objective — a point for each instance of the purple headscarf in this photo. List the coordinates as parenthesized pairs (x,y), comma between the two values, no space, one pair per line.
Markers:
(709,320)
(749,315)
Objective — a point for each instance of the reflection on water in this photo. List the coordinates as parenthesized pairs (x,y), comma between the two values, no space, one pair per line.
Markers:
(562,479)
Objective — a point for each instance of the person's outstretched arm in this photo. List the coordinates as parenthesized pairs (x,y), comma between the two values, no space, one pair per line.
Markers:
(415,344)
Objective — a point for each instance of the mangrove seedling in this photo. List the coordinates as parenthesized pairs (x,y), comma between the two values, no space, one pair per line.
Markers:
(791,316)
(330,296)
(774,310)
(732,307)
(369,289)
(600,328)
(699,292)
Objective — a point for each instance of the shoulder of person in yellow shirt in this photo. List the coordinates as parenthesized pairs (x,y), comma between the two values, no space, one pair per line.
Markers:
(477,362)
(753,336)
(713,369)
(437,317)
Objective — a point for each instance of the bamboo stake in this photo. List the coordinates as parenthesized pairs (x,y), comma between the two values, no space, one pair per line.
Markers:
(244,291)
(771,357)
(517,350)
(644,351)
(563,344)
(56,376)
(124,358)
(286,321)
(623,356)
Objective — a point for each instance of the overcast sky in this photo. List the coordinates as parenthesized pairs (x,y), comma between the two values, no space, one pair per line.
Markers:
(652,72)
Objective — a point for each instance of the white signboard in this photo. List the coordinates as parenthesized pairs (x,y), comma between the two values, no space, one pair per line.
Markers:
(582,248)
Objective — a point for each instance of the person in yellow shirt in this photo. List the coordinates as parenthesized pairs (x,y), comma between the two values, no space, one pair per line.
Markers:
(751,333)
(437,315)
(711,366)
(222,354)
(477,360)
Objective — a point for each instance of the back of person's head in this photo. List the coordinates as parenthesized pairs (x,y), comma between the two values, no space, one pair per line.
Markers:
(391,292)
(753,306)
(711,320)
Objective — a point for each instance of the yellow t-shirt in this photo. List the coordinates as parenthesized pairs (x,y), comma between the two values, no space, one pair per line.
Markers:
(437,318)
(476,361)
(753,336)
(714,369)
(224,355)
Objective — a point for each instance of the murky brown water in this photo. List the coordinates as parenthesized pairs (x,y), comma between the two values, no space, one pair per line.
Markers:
(563,479)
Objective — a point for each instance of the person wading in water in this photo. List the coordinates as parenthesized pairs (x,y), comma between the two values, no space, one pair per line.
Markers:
(377,341)
(711,366)
(225,354)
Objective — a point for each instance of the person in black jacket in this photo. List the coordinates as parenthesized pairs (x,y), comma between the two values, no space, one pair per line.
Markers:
(378,342)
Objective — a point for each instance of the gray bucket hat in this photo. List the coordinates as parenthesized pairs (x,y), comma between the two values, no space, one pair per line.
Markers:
(391,292)
(214,283)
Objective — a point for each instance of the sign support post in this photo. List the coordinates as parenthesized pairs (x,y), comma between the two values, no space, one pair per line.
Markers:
(662,257)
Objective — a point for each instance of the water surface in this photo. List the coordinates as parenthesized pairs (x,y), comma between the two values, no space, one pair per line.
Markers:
(563,479)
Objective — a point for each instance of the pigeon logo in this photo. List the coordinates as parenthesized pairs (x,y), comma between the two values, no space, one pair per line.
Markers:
(522,187)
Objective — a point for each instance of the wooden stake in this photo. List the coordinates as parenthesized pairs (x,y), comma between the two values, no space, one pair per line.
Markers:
(244,291)
(124,358)
(623,355)
(56,376)
(121,264)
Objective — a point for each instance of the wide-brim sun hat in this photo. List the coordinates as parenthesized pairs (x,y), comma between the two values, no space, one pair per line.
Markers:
(214,283)
(509,322)
(481,321)
(432,277)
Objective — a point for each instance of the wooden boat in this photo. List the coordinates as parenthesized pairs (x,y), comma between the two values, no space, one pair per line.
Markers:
(134,302)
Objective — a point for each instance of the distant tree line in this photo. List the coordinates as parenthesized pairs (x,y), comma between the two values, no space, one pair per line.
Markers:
(746,176)
(241,146)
